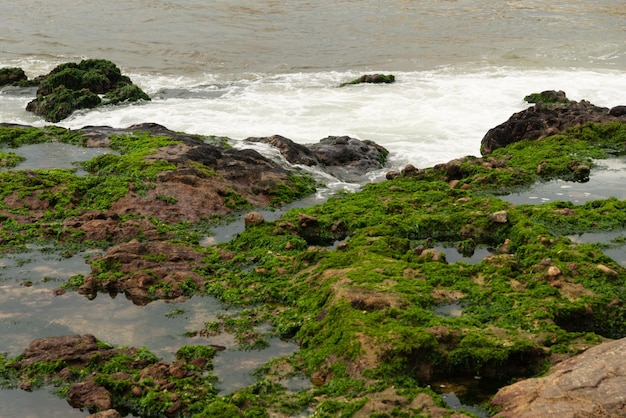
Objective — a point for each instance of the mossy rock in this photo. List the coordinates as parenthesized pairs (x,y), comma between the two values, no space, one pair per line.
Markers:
(372,78)
(11,76)
(548,97)
(62,102)
(74,86)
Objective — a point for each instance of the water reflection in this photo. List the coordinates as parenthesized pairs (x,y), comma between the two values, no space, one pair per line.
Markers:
(606,180)
(30,308)
(615,242)
(51,155)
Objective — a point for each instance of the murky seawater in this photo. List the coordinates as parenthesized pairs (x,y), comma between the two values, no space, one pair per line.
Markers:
(30,309)
(606,180)
(50,155)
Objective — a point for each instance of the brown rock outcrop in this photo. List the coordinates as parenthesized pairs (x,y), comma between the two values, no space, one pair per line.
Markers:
(588,385)
(147,271)
(544,120)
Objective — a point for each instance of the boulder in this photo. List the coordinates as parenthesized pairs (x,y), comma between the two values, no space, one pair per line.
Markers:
(551,115)
(372,78)
(341,156)
(11,76)
(147,271)
(590,384)
(73,86)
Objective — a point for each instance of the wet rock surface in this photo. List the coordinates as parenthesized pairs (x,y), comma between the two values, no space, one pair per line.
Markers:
(341,156)
(74,86)
(590,385)
(115,373)
(543,120)
(148,271)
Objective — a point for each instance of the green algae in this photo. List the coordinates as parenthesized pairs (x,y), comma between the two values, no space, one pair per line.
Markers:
(363,311)
(73,86)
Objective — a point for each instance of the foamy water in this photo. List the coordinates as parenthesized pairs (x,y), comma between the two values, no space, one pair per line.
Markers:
(424,118)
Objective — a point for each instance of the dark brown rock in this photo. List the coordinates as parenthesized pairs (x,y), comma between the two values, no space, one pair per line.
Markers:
(544,120)
(89,395)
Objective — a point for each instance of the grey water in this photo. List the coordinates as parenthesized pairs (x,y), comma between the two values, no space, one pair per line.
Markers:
(193,36)
(31,307)
(605,180)
(55,155)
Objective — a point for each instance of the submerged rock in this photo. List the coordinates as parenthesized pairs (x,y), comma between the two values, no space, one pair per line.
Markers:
(372,78)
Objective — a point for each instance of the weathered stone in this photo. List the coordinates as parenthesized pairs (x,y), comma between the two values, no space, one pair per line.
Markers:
(109,413)
(372,78)
(253,218)
(590,385)
(544,120)
(148,270)
(554,271)
(73,86)
(11,76)
(89,395)
(606,270)
(500,217)
(343,157)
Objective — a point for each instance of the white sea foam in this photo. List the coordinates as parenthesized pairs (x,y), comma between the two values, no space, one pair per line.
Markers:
(424,118)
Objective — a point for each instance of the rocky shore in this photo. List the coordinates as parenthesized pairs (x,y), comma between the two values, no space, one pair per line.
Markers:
(357,281)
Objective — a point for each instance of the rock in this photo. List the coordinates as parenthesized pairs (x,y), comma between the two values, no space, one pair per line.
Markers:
(554,271)
(89,395)
(72,86)
(253,218)
(554,115)
(342,156)
(293,152)
(590,384)
(606,270)
(500,217)
(348,158)
(11,76)
(83,363)
(372,78)
(71,349)
(147,271)
(109,413)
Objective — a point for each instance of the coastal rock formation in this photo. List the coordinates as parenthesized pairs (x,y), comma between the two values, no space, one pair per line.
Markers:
(72,86)
(147,271)
(372,78)
(118,376)
(590,384)
(341,156)
(553,113)
(11,76)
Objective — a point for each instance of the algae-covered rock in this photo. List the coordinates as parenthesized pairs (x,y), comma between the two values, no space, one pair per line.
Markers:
(11,76)
(363,283)
(74,86)
(372,78)
(552,114)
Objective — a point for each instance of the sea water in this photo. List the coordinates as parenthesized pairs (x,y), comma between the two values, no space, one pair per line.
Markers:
(242,68)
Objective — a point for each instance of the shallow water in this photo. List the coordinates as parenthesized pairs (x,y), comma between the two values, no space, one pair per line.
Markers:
(616,241)
(606,180)
(55,155)
(29,309)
